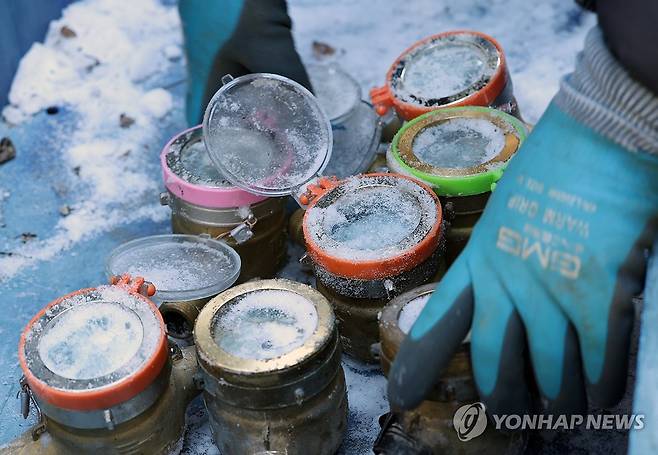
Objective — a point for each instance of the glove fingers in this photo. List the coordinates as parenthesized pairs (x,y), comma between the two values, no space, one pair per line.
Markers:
(497,350)
(605,339)
(555,357)
(437,334)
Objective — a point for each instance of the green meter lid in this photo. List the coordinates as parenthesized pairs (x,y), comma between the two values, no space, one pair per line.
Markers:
(459,151)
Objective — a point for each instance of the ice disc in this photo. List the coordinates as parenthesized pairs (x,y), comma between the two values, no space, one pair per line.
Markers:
(459,143)
(90,341)
(264,324)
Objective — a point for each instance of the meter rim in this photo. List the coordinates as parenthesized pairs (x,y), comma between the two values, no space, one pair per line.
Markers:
(222,364)
(106,396)
(185,295)
(482,97)
(313,103)
(472,181)
(194,193)
(372,269)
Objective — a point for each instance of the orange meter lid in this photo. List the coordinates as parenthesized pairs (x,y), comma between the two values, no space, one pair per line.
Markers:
(94,348)
(456,68)
(373,226)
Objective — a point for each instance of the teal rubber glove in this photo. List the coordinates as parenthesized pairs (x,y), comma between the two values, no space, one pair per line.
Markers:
(547,277)
(235,37)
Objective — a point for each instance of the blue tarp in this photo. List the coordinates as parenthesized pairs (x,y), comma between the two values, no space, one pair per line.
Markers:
(22,22)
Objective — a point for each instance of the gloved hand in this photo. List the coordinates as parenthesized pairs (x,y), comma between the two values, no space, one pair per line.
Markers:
(235,37)
(550,270)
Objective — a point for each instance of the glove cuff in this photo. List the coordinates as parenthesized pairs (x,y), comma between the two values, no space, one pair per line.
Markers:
(602,95)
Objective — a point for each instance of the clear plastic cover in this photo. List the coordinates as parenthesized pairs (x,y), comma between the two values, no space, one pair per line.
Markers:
(264,324)
(411,311)
(459,143)
(267,134)
(337,92)
(355,143)
(182,267)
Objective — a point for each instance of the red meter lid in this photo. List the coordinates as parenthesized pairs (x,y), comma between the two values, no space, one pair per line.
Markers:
(449,69)
(373,225)
(94,348)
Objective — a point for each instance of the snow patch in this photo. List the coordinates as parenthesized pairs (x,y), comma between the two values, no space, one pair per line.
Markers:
(99,74)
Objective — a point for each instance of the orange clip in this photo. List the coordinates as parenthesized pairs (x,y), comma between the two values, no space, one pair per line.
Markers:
(315,190)
(381,99)
(137,285)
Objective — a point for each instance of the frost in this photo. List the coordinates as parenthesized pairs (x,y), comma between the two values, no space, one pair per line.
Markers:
(411,311)
(90,341)
(175,266)
(192,164)
(444,70)
(459,143)
(265,324)
(373,221)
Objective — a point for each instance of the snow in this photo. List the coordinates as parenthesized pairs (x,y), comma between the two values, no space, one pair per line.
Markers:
(90,341)
(98,75)
(157,102)
(265,324)
(459,143)
(175,266)
(411,311)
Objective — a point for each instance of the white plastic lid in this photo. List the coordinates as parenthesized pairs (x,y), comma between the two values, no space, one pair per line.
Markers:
(337,91)
(264,324)
(267,134)
(182,267)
